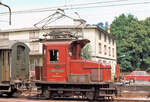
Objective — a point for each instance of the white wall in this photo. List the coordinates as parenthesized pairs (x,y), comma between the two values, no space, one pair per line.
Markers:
(19,36)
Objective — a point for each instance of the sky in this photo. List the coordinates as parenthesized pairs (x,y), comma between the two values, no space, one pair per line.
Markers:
(93,11)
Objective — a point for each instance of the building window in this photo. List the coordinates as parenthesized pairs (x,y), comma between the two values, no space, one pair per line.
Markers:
(105,50)
(104,61)
(113,42)
(99,36)
(33,34)
(53,56)
(113,52)
(109,40)
(36,62)
(100,48)
(100,61)
(109,51)
(34,47)
(105,37)
(109,62)
(4,36)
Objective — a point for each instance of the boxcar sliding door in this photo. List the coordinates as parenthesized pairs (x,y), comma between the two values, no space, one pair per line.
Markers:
(5,67)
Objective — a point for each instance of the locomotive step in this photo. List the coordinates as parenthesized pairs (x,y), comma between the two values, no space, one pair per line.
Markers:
(107,95)
(4,90)
(107,89)
(56,89)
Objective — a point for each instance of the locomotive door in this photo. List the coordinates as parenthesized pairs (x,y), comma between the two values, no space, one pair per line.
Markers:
(56,64)
(5,69)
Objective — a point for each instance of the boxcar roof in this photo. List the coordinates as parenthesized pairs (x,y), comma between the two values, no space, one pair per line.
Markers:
(8,44)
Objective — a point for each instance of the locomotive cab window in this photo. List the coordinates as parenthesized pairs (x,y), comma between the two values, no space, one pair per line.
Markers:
(53,56)
(70,52)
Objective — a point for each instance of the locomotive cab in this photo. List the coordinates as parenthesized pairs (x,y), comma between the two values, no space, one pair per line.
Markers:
(56,59)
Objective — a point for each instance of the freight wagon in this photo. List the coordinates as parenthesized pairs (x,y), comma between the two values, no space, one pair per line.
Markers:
(14,66)
(66,74)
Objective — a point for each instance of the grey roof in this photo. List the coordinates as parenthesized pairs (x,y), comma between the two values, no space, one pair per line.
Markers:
(8,44)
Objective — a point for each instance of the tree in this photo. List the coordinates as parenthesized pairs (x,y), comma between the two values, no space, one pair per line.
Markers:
(132,41)
(101,25)
(146,44)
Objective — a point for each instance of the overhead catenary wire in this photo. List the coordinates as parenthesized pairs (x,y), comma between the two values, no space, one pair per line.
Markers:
(72,7)
(3,21)
(112,5)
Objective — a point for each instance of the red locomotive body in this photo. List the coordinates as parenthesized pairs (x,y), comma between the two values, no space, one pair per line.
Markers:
(65,73)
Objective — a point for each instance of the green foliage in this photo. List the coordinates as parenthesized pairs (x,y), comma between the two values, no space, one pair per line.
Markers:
(102,25)
(148,69)
(133,41)
(87,52)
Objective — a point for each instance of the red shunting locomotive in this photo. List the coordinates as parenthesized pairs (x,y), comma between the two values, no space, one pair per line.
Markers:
(66,74)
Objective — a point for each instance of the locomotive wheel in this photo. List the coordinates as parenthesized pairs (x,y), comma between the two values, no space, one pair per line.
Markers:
(46,94)
(10,94)
(17,93)
(90,95)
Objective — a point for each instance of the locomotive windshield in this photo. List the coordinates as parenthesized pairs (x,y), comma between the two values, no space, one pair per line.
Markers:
(73,51)
(75,48)
(53,56)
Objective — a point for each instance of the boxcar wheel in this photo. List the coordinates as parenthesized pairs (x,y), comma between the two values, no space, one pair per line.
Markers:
(12,93)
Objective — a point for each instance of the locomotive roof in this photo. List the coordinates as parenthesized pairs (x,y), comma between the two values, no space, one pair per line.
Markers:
(8,44)
(68,43)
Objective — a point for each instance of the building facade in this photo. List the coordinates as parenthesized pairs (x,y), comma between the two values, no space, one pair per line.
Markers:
(102,45)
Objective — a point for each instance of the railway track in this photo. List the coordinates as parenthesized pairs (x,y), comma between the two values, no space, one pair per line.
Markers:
(130,95)
(14,99)
(132,100)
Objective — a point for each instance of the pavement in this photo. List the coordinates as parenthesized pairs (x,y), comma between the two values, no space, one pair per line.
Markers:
(142,83)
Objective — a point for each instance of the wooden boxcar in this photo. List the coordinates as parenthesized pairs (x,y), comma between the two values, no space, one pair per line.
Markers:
(14,65)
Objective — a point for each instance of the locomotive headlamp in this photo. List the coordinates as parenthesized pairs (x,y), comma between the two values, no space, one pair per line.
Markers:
(9,11)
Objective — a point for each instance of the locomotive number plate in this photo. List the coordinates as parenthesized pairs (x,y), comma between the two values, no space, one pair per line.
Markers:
(54,70)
